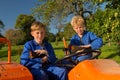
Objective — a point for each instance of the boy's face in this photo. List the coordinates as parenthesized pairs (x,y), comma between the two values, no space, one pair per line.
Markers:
(38,35)
(78,29)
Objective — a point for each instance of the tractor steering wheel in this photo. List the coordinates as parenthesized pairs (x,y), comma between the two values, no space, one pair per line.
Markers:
(95,54)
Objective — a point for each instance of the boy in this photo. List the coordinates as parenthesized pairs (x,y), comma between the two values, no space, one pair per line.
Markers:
(38,56)
(83,38)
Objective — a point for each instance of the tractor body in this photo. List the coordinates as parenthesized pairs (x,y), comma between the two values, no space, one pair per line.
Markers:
(97,69)
(13,71)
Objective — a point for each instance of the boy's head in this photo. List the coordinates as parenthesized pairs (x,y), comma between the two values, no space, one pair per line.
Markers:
(78,24)
(77,21)
(38,31)
(37,26)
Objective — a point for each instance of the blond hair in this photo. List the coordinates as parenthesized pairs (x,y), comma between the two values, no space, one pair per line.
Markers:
(77,20)
(37,26)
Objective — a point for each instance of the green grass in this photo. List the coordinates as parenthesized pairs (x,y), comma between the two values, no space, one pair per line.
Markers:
(111,52)
(15,53)
(58,49)
(108,52)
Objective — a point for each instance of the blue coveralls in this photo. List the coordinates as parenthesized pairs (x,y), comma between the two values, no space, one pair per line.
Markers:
(87,38)
(50,71)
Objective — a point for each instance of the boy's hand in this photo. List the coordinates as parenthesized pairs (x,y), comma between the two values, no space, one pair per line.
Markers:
(42,52)
(75,48)
(85,46)
(44,59)
(39,52)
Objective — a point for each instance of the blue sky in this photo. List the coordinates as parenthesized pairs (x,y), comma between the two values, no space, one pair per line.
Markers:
(11,9)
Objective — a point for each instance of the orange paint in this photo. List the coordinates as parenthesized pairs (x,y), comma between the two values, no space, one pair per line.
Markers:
(65,46)
(65,43)
(9,48)
(13,71)
(98,69)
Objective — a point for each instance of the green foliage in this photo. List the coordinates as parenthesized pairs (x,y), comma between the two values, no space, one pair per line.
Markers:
(23,23)
(114,20)
(68,31)
(54,9)
(59,36)
(106,24)
(1,45)
(113,4)
(57,12)
(96,22)
(50,37)
(1,25)
(16,37)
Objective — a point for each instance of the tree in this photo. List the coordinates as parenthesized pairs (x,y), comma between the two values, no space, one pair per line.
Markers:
(50,37)
(68,31)
(113,21)
(1,26)
(16,37)
(59,11)
(23,23)
(106,23)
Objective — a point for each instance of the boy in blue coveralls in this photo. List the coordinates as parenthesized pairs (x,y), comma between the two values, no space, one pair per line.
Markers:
(83,38)
(41,66)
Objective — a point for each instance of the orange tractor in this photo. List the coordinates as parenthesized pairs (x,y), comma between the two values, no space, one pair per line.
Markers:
(13,71)
(94,69)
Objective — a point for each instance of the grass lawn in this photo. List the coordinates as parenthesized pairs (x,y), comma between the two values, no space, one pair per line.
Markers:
(111,52)
(108,52)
